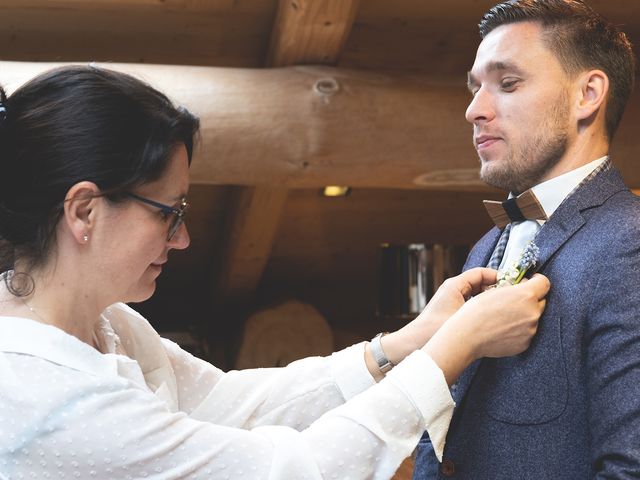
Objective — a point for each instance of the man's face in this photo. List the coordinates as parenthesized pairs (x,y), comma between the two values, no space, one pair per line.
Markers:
(520,108)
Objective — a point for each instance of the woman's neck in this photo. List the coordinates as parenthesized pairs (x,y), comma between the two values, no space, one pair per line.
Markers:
(52,301)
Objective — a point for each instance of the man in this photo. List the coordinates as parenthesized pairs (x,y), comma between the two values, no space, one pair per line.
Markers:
(550,82)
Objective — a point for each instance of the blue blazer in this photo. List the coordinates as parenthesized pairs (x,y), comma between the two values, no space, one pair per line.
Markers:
(569,407)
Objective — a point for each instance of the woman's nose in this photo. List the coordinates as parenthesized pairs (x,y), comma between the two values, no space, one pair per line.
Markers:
(181,238)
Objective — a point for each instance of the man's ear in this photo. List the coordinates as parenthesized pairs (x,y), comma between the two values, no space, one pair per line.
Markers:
(79,204)
(594,87)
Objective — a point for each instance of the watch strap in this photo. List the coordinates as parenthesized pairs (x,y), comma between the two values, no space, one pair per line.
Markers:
(378,353)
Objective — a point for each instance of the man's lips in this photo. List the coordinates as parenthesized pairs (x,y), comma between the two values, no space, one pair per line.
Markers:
(485,141)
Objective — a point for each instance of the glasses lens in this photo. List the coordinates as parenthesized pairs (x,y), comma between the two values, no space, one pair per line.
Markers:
(177,220)
(175,225)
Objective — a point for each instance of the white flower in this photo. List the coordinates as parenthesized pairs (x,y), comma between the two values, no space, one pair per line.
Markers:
(516,272)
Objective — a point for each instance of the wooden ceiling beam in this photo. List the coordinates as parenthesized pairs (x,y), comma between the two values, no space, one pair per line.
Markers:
(304,31)
(306,127)
(253,221)
(310,31)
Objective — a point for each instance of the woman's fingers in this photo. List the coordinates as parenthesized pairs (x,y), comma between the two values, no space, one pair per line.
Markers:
(473,281)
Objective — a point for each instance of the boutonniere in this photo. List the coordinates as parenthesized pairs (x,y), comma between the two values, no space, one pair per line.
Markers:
(516,272)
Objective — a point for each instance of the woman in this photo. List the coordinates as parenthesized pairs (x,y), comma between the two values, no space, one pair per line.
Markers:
(93,197)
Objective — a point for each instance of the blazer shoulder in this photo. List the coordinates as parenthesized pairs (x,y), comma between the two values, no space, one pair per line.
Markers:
(619,213)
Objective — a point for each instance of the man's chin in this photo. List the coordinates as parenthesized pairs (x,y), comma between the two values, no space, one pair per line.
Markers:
(494,177)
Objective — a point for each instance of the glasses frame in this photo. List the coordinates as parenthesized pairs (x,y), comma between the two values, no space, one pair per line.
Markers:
(178,213)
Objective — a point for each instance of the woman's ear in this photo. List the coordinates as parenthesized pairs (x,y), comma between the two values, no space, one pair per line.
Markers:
(594,87)
(79,204)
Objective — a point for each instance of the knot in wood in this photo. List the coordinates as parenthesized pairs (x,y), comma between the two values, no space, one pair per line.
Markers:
(326,86)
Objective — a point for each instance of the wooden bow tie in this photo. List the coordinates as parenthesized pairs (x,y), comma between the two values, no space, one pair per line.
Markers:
(517,209)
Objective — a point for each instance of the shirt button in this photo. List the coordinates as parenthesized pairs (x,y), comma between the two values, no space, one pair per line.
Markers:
(447,468)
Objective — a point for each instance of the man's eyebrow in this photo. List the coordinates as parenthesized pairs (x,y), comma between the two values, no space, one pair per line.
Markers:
(497,66)
(500,66)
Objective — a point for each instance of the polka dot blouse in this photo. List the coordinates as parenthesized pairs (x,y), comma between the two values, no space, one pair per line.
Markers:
(143,408)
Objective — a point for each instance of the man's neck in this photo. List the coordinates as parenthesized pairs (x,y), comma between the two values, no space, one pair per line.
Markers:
(577,156)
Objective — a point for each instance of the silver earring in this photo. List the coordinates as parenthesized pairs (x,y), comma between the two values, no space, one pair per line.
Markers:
(85,237)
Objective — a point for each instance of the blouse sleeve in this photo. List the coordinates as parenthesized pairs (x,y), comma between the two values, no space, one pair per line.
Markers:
(297,414)
(311,389)
(94,427)
(292,396)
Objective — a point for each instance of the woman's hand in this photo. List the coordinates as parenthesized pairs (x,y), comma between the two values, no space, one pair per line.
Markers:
(499,322)
(451,295)
(506,319)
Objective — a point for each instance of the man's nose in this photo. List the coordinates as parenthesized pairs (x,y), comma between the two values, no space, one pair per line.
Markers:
(481,108)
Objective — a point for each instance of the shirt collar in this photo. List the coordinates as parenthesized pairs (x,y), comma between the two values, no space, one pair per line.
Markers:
(552,193)
(28,337)
(132,349)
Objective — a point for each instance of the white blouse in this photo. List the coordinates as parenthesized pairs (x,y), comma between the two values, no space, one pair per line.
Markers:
(147,409)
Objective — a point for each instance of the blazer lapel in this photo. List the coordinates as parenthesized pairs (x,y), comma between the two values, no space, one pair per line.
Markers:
(555,232)
(568,218)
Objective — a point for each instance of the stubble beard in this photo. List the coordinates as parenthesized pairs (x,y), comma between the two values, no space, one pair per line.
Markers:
(524,168)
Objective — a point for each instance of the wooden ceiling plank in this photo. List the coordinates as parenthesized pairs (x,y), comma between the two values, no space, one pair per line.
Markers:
(203,6)
(180,32)
(432,37)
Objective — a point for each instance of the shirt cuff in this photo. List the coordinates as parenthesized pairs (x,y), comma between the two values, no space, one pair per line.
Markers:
(420,378)
(350,372)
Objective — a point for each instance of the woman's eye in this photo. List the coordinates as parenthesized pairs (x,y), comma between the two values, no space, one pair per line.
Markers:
(508,85)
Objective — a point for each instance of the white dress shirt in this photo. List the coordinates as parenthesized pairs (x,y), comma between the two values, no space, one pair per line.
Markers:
(147,409)
(550,194)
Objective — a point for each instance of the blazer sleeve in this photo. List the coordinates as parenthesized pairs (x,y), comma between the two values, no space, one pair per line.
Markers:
(612,348)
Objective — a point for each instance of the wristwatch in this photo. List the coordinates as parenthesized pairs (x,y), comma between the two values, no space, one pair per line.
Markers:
(378,354)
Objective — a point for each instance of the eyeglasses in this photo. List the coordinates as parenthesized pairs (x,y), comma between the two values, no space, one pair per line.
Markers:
(177,212)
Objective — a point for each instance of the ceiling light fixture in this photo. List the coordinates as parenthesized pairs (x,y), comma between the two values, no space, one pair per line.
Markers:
(336,191)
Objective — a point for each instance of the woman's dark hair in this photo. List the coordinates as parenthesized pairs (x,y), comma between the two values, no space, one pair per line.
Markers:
(73,124)
(581,39)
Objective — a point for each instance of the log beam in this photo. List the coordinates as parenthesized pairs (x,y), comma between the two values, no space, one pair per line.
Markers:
(306,127)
